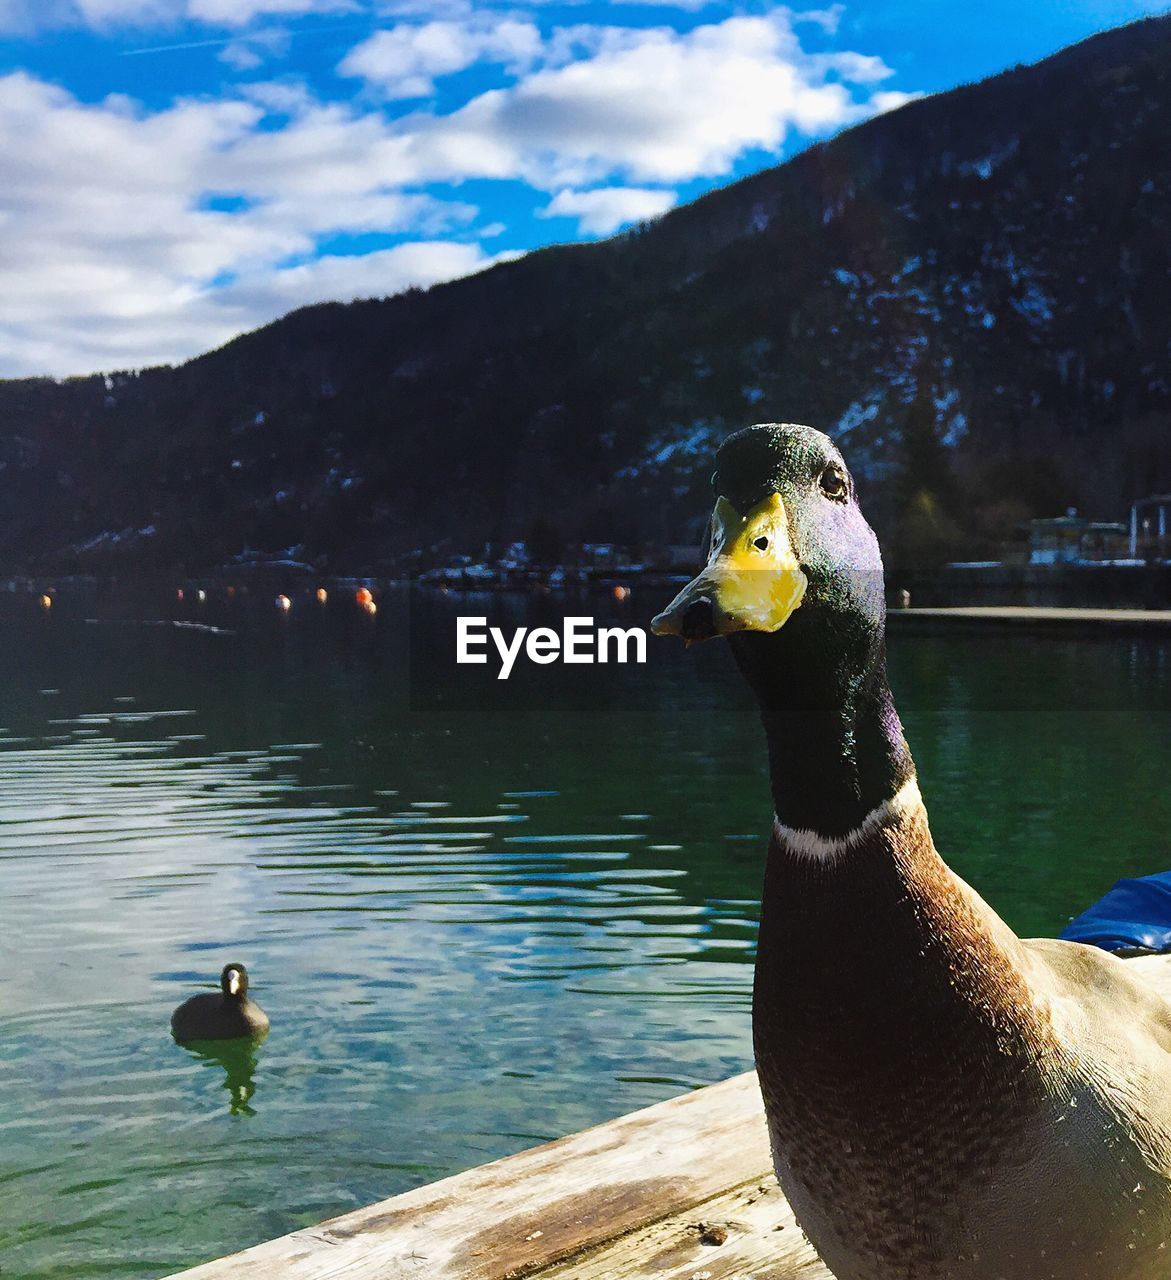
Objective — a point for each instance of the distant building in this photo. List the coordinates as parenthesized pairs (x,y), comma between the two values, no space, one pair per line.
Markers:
(1071,539)
(1148,526)
(599,553)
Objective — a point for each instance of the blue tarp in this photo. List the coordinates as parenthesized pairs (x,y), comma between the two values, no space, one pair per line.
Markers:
(1135,913)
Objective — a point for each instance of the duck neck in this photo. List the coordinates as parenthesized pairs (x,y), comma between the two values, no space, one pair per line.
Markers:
(835,746)
(919,965)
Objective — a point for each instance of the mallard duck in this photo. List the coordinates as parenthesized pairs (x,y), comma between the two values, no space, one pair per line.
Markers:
(944,1100)
(226,1015)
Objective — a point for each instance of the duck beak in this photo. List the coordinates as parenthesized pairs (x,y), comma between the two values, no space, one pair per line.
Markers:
(752,581)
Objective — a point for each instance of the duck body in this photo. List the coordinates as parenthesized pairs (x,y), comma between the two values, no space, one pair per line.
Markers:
(227,1014)
(945,1101)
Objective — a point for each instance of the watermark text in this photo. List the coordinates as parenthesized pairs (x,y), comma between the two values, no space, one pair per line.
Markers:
(579,641)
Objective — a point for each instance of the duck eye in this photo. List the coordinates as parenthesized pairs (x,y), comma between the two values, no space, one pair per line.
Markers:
(833,483)
(761,543)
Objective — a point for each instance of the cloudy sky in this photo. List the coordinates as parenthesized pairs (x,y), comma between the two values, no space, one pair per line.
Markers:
(174,172)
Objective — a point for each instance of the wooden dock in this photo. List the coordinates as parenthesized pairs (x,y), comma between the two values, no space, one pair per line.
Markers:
(1025,617)
(680,1191)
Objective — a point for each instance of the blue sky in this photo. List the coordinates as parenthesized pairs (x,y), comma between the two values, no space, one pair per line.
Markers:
(175,172)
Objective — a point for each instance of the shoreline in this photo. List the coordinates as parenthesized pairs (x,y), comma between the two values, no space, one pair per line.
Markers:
(1029,617)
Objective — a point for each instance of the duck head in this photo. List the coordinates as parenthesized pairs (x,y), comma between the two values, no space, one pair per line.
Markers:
(786,535)
(234,981)
(794,580)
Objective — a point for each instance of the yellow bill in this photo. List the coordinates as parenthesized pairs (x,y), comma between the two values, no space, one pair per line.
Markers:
(752,581)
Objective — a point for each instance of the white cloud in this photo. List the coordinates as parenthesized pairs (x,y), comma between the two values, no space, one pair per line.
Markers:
(250,51)
(239,13)
(104,15)
(605,209)
(688,6)
(404,61)
(373,275)
(892,99)
(240,55)
(430,9)
(110,13)
(858,68)
(827,19)
(130,236)
(113,250)
(647,105)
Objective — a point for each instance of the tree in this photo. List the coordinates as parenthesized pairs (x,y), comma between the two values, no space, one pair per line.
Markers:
(543,542)
(927,531)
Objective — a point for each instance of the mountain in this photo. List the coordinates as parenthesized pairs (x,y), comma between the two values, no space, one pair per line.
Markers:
(970,293)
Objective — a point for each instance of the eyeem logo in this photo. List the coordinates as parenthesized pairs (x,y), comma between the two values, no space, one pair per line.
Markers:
(580,641)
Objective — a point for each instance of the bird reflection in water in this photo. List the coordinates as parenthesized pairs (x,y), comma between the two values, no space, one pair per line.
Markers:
(238,1059)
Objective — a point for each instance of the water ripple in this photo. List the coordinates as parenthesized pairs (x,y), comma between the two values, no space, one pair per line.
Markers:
(426,953)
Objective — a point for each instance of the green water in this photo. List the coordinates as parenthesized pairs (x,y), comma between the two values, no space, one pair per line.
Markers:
(480,915)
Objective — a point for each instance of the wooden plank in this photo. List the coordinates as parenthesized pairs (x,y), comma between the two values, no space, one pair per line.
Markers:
(745,1234)
(516,1216)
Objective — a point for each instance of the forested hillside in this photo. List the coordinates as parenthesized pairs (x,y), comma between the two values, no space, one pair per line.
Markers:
(970,293)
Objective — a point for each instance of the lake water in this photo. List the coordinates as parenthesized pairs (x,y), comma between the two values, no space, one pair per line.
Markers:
(480,915)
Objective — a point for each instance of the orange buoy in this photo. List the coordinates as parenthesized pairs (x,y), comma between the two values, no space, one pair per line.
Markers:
(283,603)
(46,601)
(621,593)
(364,596)
(322,595)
